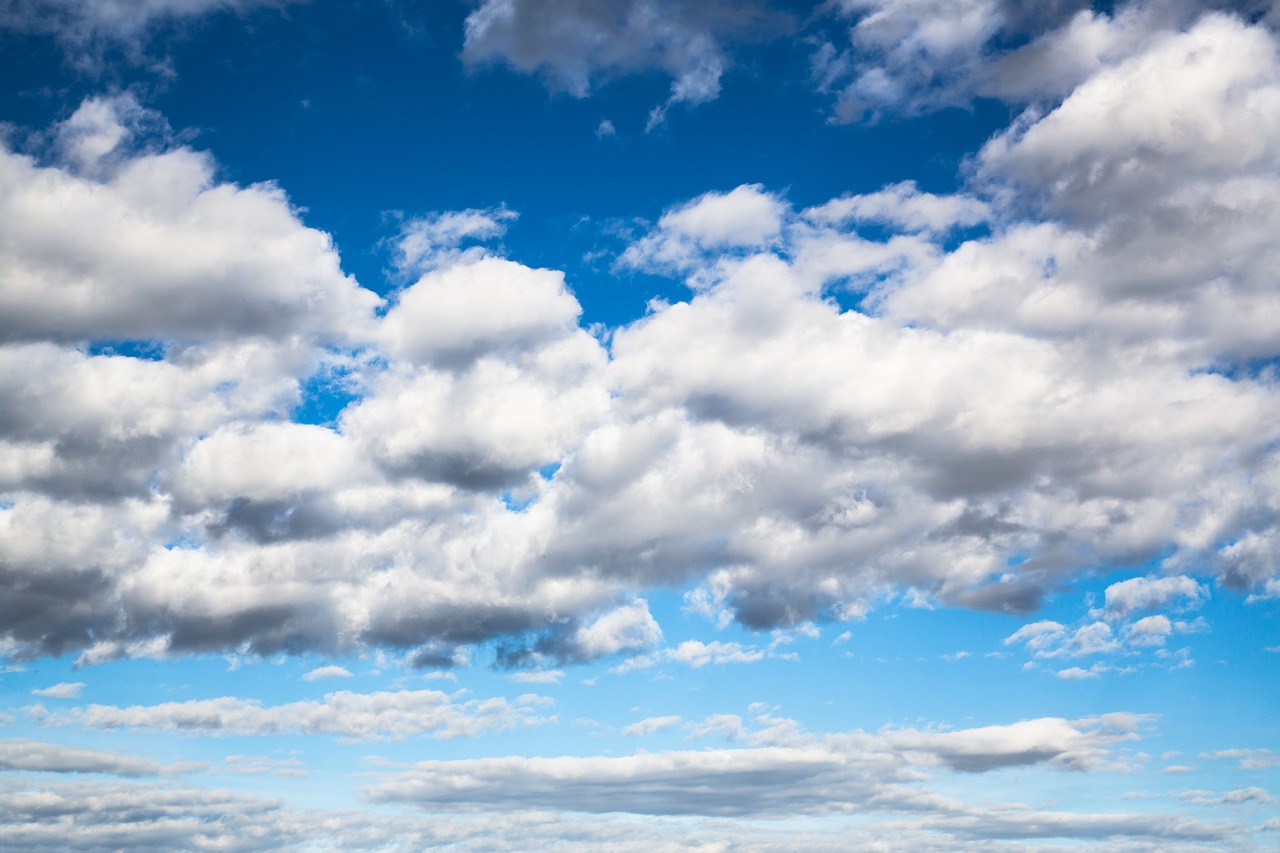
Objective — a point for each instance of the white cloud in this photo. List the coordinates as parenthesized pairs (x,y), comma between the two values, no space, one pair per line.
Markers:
(728,726)
(746,217)
(146,816)
(1197,105)
(743,217)
(182,256)
(250,765)
(1149,631)
(910,56)
(900,50)
(17,754)
(324,672)
(574,44)
(650,725)
(62,690)
(626,628)
(101,127)
(1037,635)
(266,462)
(1147,593)
(795,773)
(1234,797)
(472,308)
(904,206)
(434,241)
(1057,397)
(1247,759)
(537,676)
(354,716)
(1069,744)
(698,654)
(1047,640)
(1092,639)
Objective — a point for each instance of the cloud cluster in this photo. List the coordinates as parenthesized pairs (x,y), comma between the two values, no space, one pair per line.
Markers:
(857,400)
(1118,629)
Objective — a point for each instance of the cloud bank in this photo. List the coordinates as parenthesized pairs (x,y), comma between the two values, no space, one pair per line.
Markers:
(1065,368)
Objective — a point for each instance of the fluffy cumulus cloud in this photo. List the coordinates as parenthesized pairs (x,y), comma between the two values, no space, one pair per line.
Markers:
(1147,593)
(159,329)
(575,44)
(631,626)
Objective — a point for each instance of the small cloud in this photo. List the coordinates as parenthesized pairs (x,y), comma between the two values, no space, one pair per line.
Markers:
(252,765)
(1075,673)
(1147,593)
(843,638)
(436,240)
(606,130)
(1247,759)
(1234,797)
(326,672)
(650,725)
(956,656)
(439,675)
(1037,635)
(698,654)
(64,690)
(541,676)
(629,627)
(726,725)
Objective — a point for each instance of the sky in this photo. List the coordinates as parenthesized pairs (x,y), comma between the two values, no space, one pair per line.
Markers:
(639,425)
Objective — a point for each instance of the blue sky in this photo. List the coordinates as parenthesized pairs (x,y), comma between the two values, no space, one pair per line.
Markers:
(639,424)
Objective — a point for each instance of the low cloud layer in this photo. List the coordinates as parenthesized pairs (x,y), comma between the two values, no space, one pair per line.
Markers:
(783,770)
(352,716)
(147,816)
